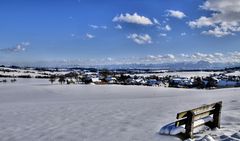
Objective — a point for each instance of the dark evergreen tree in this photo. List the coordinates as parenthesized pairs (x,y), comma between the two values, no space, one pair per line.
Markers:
(212,83)
(198,83)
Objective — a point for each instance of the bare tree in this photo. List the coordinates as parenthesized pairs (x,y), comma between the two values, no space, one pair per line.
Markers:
(62,79)
(52,78)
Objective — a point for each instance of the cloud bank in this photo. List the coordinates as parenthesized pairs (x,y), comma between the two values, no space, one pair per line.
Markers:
(21,47)
(134,19)
(224,20)
(89,36)
(140,38)
(98,27)
(176,14)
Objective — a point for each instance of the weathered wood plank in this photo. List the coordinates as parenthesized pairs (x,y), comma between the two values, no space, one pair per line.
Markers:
(192,118)
(204,114)
(181,122)
(196,110)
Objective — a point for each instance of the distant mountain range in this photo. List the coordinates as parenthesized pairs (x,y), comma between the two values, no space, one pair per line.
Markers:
(200,65)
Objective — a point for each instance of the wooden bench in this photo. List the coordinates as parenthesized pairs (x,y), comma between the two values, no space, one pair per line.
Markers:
(189,118)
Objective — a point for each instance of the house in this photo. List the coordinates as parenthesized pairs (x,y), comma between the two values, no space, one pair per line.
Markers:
(152,82)
(181,82)
(96,80)
(111,80)
(139,81)
(71,81)
(227,83)
(130,81)
(211,81)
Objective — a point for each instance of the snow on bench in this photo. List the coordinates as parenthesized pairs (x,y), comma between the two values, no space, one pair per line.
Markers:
(208,115)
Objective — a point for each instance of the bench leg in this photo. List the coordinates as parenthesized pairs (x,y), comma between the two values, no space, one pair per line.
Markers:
(217,115)
(189,125)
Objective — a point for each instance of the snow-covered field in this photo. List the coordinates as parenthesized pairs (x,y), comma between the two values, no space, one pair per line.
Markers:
(236,73)
(34,110)
(20,72)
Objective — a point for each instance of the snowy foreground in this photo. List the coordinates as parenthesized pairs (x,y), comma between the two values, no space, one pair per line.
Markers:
(34,110)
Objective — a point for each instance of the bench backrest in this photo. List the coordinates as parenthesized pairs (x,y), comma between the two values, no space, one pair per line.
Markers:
(199,113)
(188,117)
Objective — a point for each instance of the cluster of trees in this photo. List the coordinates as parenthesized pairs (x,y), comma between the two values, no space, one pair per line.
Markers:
(208,82)
(62,79)
(74,77)
(198,82)
(24,76)
(20,76)
(5,80)
(85,78)
(123,78)
(53,78)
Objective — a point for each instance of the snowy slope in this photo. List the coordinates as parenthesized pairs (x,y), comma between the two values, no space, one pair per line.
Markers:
(236,73)
(33,73)
(39,111)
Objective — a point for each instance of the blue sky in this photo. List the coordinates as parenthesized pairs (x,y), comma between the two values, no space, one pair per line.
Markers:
(120,31)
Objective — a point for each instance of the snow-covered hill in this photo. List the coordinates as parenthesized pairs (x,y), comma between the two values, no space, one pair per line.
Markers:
(34,110)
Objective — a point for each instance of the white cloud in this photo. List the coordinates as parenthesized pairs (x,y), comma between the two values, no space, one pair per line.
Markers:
(103,27)
(164,27)
(150,58)
(89,36)
(163,34)
(195,57)
(214,57)
(140,38)
(201,22)
(73,35)
(235,56)
(224,20)
(183,34)
(25,44)
(158,58)
(173,58)
(98,27)
(18,48)
(184,55)
(217,32)
(155,21)
(118,26)
(176,14)
(217,54)
(226,57)
(167,28)
(94,26)
(169,56)
(134,18)
(200,55)
(109,59)
(222,5)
